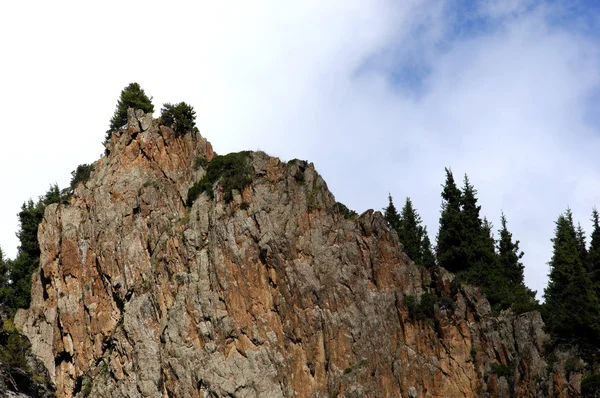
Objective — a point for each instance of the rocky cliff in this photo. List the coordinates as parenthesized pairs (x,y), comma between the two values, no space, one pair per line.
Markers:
(272,293)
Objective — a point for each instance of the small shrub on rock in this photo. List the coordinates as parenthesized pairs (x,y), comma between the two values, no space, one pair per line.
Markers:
(346,212)
(232,171)
(502,370)
(590,385)
(81,174)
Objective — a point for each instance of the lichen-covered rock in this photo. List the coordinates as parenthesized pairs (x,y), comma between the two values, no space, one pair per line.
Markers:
(271,294)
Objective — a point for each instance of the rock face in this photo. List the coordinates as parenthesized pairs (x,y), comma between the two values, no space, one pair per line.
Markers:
(274,294)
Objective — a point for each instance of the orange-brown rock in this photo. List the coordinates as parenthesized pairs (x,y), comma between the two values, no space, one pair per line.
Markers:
(273,294)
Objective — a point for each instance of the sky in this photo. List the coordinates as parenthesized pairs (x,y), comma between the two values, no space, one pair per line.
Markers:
(381,96)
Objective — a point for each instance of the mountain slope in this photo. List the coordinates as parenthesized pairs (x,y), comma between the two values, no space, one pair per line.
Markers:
(271,294)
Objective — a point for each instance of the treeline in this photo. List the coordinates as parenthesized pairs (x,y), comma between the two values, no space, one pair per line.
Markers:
(573,288)
(467,247)
(15,274)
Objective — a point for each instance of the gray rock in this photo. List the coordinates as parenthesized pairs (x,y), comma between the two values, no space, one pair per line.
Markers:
(273,294)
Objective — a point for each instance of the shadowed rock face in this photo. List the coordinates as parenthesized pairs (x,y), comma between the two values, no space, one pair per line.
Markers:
(273,294)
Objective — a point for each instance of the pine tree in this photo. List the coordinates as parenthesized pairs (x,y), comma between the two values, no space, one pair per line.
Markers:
(181,116)
(391,215)
(428,258)
(478,247)
(473,237)
(571,302)
(593,258)
(18,292)
(3,270)
(449,236)
(132,96)
(5,290)
(511,272)
(410,232)
(486,253)
(510,256)
(581,245)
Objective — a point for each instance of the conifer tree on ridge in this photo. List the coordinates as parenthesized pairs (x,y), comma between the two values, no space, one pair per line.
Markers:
(570,297)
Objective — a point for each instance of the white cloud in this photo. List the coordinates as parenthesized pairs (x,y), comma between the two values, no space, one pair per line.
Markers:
(319,81)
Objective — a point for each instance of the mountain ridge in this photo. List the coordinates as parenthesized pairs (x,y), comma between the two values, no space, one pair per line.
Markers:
(273,293)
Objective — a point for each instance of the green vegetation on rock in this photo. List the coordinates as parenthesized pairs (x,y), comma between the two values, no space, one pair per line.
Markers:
(132,96)
(15,288)
(411,233)
(181,117)
(345,211)
(570,296)
(231,171)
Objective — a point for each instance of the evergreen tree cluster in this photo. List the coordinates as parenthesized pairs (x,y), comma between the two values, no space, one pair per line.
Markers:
(467,247)
(181,116)
(411,233)
(573,291)
(15,275)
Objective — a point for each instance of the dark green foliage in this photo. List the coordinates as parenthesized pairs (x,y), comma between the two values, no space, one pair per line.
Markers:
(476,249)
(502,370)
(424,307)
(581,246)
(16,293)
(181,117)
(573,307)
(132,96)
(411,303)
(509,255)
(523,300)
(391,215)
(593,256)
(411,233)
(3,271)
(473,354)
(474,241)
(81,174)
(16,362)
(509,281)
(590,385)
(14,349)
(232,171)
(449,239)
(428,258)
(200,162)
(346,212)
(466,246)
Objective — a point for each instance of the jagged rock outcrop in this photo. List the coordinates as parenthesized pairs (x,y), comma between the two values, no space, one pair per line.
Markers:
(272,294)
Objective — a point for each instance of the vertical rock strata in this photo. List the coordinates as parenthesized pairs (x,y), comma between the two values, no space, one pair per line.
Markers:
(274,294)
